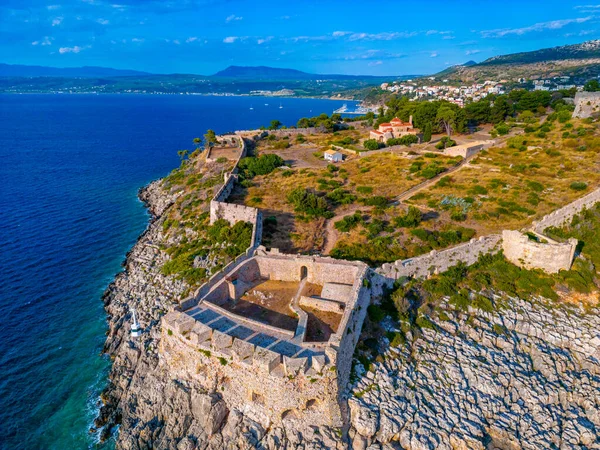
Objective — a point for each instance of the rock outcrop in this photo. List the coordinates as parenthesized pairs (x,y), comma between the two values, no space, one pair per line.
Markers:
(522,378)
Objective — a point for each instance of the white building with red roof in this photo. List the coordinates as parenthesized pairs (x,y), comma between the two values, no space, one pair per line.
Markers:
(393,129)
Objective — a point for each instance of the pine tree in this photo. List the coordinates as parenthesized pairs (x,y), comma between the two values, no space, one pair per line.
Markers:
(427,132)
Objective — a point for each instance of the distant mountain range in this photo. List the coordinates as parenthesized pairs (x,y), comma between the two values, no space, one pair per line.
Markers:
(18,70)
(579,61)
(232,80)
(232,72)
(273,73)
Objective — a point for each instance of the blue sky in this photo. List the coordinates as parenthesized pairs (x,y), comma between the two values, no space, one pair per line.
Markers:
(350,36)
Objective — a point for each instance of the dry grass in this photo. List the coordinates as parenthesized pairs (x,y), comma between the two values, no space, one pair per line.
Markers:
(511,187)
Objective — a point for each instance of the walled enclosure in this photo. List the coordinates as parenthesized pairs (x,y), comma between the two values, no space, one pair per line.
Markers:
(272,370)
(272,374)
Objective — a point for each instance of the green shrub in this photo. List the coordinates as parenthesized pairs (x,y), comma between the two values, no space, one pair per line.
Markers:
(578,186)
(349,222)
(364,189)
(251,166)
(445,142)
(411,219)
(372,144)
(309,203)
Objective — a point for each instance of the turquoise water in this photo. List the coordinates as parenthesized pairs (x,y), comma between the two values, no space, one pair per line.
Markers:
(70,169)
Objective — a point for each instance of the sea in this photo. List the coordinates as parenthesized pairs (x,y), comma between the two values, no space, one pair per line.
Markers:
(70,169)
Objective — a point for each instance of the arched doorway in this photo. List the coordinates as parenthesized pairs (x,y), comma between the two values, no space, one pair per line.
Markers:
(303,272)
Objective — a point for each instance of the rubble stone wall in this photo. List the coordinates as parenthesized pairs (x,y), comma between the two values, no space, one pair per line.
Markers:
(440,261)
(563,215)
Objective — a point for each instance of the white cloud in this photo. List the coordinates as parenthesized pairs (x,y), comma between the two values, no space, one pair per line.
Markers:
(52,7)
(472,52)
(448,37)
(43,42)
(385,36)
(375,63)
(176,41)
(191,39)
(230,39)
(541,26)
(340,33)
(103,21)
(264,40)
(74,49)
(434,55)
(57,21)
(137,40)
(232,18)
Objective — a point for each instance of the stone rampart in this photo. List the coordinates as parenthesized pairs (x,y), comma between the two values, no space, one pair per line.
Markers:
(587,104)
(544,254)
(563,215)
(263,384)
(440,261)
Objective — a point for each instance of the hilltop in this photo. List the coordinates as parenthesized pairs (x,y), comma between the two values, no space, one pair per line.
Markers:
(580,61)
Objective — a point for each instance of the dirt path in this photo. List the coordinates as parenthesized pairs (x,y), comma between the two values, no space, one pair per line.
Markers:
(331,234)
(427,183)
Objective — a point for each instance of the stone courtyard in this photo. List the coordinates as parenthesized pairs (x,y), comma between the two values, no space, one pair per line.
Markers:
(284,319)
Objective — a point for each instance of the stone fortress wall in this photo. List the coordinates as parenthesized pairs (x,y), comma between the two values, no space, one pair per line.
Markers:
(279,367)
(439,261)
(587,104)
(543,252)
(563,215)
(257,381)
(549,255)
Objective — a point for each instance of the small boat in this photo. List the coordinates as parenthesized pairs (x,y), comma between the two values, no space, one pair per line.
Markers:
(251,107)
(280,106)
(266,104)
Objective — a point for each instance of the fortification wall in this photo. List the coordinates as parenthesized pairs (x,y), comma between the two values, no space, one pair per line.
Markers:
(318,270)
(232,213)
(549,256)
(587,104)
(282,132)
(265,385)
(440,261)
(350,328)
(564,215)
